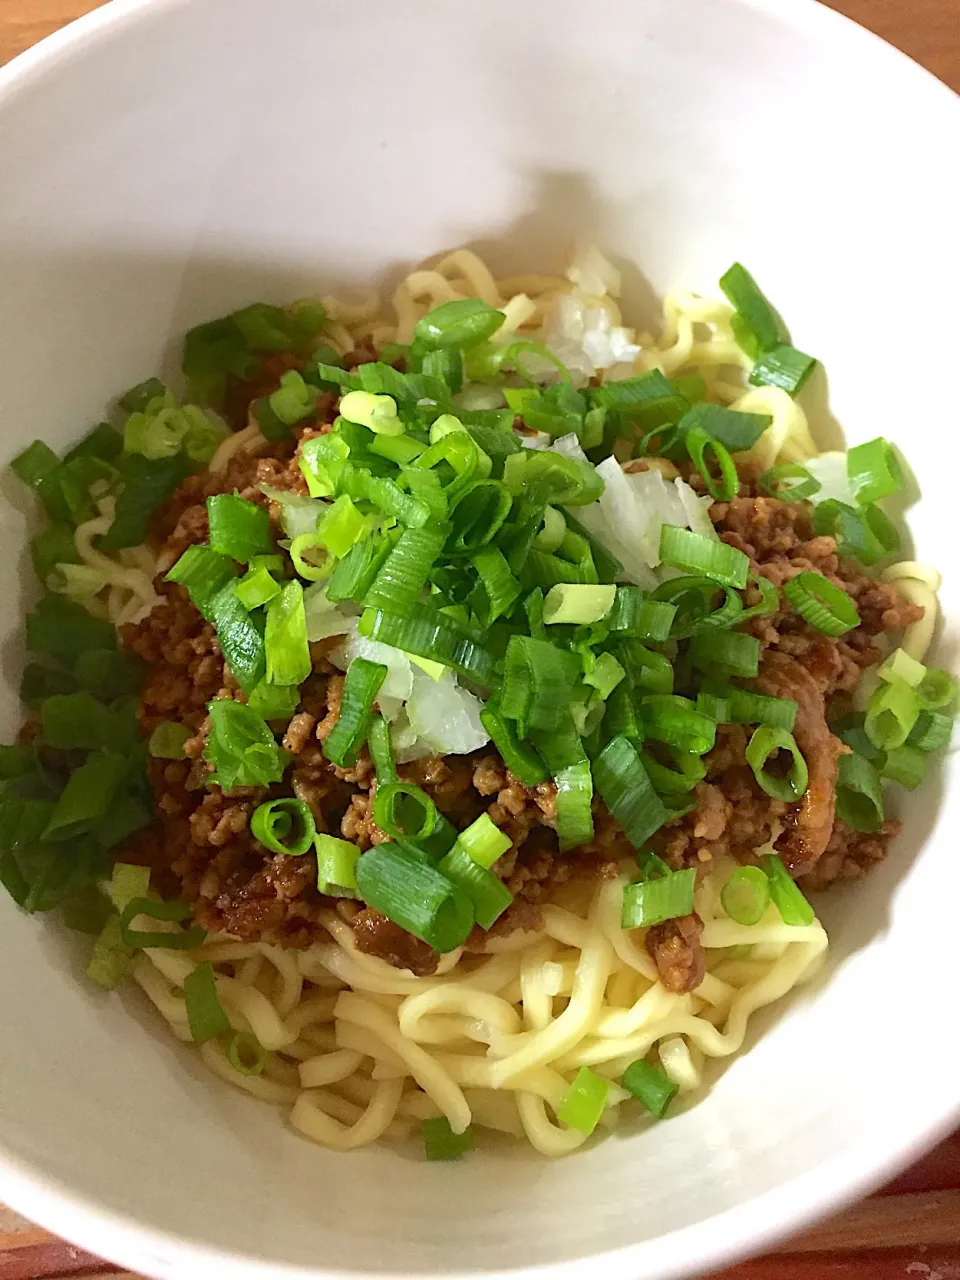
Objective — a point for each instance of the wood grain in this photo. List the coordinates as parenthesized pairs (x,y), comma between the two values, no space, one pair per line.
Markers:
(913,1227)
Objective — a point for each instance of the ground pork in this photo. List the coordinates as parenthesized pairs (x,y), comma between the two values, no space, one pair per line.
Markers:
(676,950)
(201,847)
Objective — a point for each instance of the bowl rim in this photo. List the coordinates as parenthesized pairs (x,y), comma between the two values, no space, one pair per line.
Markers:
(715,1242)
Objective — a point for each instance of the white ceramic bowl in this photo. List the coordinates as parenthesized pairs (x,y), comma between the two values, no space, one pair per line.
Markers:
(163,162)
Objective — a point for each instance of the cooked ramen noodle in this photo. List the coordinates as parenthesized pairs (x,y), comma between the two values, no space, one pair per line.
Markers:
(442,710)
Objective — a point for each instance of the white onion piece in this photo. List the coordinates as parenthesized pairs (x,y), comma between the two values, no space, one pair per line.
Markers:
(298,514)
(444,715)
(569,447)
(831,471)
(696,509)
(594,273)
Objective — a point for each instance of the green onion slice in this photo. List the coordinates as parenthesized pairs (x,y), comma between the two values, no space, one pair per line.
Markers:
(489,895)
(284,826)
(360,689)
(415,895)
(766,743)
(822,604)
(790,481)
(746,895)
(859,794)
(246,1054)
(403,810)
(205,1013)
(441,1143)
(582,1106)
(709,455)
(176,911)
(649,902)
(695,553)
(650,1085)
(627,791)
(794,909)
(336,866)
(874,471)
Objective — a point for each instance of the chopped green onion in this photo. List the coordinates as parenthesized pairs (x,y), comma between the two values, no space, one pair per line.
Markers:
(241,747)
(441,1143)
(385,494)
(205,1014)
(551,535)
(284,826)
(704,450)
(376,413)
(168,739)
(768,742)
(274,701)
(88,795)
(321,460)
(692,599)
(648,399)
(403,810)
(65,629)
(733,429)
(428,634)
(745,895)
(649,902)
(403,575)
(746,707)
(637,615)
(790,481)
(906,765)
(760,320)
(520,758)
(381,750)
(937,689)
(285,641)
(822,605)
(360,688)
(145,485)
(859,795)
(566,759)
(170,911)
(794,909)
(582,1106)
(900,666)
(490,896)
(319,565)
(627,791)
(256,587)
(336,866)
(667,781)
(650,1085)
(204,573)
(783,367)
(573,603)
(500,589)
(605,676)
(110,958)
(246,1054)
(483,841)
(874,471)
(677,722)
(883,532)
(341,526)
(891,713)
(538,683)
(238,528)
(464,323)
(695,553)
(734,652)
(414,894)
(931,732)
(293,401)
(849,529)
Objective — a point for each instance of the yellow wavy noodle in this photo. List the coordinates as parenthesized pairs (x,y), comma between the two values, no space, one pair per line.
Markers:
(494,1041)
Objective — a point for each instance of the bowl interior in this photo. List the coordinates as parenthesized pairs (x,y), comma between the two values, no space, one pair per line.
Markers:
(168,161)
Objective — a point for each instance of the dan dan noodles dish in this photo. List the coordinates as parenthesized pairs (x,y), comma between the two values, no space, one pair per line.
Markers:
(444,710)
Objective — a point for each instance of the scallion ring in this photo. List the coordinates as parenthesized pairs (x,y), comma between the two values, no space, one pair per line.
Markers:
(284,826)
(768,742)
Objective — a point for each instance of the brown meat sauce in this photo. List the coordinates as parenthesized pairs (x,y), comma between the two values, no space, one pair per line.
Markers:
(201,848)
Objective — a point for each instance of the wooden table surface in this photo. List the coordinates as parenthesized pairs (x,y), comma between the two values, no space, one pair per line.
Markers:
(912,1228)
